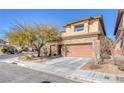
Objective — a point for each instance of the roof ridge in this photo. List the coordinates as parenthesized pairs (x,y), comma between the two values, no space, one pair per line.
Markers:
(83,19)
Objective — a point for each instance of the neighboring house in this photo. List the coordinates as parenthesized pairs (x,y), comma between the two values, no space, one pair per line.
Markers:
(119,29)
(3,42)
(81,38)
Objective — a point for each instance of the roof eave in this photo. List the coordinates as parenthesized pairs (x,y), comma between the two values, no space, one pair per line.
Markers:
(120,13)
(89,18)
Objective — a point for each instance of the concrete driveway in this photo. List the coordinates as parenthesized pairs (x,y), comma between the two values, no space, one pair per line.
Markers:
(63,66)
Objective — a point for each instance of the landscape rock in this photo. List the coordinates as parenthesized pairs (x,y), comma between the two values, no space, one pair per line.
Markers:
(26,58)
(119,61)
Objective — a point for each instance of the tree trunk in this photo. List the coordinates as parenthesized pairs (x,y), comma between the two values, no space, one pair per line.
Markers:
(38,49)
(39,52)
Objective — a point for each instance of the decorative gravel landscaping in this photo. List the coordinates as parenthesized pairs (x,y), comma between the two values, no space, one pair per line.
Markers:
(108,67)
(30,58)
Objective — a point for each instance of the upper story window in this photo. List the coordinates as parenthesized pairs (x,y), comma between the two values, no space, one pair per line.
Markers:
(78,28)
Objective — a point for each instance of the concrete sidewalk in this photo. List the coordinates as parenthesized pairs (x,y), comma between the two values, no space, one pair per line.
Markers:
(97,77)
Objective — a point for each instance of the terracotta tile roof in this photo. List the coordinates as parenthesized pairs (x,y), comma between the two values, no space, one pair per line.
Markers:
(89,18)
(120,13)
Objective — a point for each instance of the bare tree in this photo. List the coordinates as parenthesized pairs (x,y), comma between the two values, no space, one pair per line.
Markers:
(105,49)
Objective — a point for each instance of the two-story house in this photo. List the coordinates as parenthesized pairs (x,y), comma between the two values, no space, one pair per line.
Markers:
(119,32)
(81,38)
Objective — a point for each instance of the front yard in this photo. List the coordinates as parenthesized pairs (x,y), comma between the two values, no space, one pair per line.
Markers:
(108,67)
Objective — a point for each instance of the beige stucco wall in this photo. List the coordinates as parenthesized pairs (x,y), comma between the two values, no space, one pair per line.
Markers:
(92,25)
(118,45)
(121,24)
(100,29)
(117,50)
(77,41)
(122,21)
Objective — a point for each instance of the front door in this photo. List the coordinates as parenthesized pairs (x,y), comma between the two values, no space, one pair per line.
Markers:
(59,49)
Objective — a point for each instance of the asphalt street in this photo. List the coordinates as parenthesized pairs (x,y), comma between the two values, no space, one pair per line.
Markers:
(11,73)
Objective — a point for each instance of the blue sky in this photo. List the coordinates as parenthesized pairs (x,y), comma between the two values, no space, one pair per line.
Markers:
(58,17)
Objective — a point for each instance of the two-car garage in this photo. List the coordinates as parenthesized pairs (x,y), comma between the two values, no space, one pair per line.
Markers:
(72,50)
(79,50)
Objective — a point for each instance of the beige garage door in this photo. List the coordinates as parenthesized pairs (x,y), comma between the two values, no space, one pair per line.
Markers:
(79,50)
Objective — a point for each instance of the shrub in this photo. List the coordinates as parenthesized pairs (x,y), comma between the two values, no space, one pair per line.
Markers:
(4,50)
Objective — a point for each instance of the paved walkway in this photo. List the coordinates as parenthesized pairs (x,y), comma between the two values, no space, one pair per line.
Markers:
(98,77)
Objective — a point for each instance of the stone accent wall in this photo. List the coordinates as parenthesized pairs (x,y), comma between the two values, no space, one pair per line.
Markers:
(54,50)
